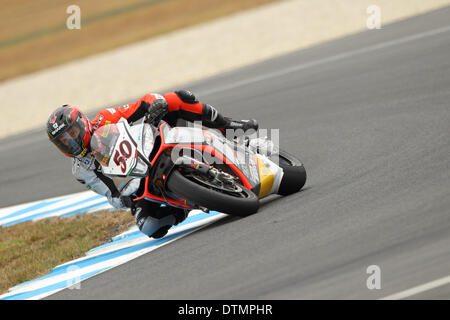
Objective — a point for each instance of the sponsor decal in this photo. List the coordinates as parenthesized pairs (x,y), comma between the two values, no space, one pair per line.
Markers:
(88,162)
(112,110)
(57,129)
(236,124)
(83,153)
(266,177)
(98,122)
(214,114)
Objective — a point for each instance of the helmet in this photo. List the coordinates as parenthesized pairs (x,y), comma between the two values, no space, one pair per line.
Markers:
(69,130)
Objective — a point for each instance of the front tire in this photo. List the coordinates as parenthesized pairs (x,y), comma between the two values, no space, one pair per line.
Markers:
(246,204)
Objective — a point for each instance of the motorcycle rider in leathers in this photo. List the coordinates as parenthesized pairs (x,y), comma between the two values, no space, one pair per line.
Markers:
(70,130)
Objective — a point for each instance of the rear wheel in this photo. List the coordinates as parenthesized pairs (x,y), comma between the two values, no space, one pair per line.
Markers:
(294,177)
(231,199)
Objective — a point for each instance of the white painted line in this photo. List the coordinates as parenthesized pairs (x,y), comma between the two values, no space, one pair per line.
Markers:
(19,206)
(334,58)
(124,234)
(46,294)
(71,276)
(8,210)
(75,198)
(419,289)
(132,242)
(71,209)
(132,256)
(100,208)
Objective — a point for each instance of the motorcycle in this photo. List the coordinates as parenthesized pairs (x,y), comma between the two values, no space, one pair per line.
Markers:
(189,168)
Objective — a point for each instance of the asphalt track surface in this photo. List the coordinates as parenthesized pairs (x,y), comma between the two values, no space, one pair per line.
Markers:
(369,116)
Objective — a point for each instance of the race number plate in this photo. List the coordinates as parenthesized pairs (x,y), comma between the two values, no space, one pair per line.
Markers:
(124,157)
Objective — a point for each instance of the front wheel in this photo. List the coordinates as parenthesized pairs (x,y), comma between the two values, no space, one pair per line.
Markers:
(241,202)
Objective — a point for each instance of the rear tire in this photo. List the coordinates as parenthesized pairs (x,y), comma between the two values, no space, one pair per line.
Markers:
(294,177)
(212,199)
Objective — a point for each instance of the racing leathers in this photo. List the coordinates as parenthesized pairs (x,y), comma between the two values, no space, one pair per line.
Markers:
(152,219)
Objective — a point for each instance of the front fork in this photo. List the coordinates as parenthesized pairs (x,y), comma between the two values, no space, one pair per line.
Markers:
(205,169)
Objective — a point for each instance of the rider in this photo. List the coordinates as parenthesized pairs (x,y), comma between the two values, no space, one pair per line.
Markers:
(70,130)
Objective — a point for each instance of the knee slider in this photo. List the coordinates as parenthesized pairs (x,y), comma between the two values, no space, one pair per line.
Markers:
(153,227)
(161,232)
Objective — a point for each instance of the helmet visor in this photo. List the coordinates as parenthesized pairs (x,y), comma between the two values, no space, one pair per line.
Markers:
(71,140)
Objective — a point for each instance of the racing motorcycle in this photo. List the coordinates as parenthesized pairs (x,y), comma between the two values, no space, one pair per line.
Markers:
(189,167)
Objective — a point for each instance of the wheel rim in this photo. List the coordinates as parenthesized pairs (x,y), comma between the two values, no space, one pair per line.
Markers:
(236,191)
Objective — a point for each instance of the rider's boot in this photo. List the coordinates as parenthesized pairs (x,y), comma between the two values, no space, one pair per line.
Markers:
(262,146)
(244,125)
(259,145)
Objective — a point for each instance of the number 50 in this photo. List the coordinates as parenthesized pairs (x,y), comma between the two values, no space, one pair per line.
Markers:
(125,153)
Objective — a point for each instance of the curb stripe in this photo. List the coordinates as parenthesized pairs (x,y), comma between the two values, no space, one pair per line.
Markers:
(124,247)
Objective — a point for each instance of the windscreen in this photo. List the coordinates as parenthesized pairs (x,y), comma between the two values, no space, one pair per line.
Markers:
(103,142)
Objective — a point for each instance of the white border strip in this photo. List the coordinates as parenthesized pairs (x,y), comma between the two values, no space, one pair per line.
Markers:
(72,275)
(419,289)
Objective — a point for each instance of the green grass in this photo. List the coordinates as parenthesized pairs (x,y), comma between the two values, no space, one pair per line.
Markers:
(31,249)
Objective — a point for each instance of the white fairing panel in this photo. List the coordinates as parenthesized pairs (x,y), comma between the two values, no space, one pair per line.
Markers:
(121,149)
(123,158)
(183,135)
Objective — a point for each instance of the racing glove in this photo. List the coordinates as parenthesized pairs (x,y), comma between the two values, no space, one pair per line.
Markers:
(213,119)
(156,111)
(128,202)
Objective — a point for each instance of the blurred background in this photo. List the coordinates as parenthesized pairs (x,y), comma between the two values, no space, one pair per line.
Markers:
(34,35)
(360,91)
(124,49)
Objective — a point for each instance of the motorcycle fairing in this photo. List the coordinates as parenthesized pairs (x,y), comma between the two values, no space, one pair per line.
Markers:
(255,173)
(239,158)
(208,142)
(123,158)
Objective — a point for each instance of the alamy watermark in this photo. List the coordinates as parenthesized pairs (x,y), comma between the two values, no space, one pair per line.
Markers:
(374,19)
(233,144)
(75,281)
(74,20)
(374,280)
